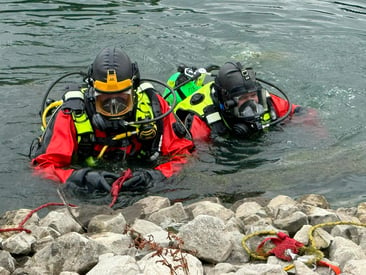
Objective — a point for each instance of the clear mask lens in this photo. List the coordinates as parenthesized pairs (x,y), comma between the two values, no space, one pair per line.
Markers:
(250,110)
(113,105)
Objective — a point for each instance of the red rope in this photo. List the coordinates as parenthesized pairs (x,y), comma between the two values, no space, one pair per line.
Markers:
(20,226)
(117,185)
(282,242)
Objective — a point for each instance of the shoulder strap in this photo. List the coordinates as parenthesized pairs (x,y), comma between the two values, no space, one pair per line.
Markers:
(154,146)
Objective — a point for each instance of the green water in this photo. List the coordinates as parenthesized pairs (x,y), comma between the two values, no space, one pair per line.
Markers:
(313,50)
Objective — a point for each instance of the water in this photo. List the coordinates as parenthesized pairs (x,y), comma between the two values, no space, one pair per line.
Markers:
(313,50)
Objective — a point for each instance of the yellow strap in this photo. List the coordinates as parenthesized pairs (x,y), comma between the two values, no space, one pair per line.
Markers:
(117,137)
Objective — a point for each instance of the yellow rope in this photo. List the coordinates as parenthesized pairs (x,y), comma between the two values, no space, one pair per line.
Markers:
(252,253)
(313,228)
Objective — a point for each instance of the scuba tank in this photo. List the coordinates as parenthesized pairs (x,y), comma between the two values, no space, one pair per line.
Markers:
(186,81)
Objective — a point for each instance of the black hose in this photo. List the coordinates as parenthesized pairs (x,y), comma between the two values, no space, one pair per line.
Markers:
(285,96)
(53,85)
(166,113)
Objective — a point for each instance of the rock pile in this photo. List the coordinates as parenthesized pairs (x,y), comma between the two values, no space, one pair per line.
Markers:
(154,237)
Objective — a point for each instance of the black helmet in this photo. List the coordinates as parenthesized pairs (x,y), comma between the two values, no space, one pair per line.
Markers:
(242,114)
(233,81)
(114,79)
(115,61)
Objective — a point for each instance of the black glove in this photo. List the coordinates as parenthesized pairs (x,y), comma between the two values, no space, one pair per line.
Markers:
(92,180)
(142,179)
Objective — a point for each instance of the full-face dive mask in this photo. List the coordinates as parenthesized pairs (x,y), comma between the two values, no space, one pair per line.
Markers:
(248,118)
(113,79)
(238,95)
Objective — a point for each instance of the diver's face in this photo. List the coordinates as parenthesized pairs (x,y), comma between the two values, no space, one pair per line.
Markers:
(248,96)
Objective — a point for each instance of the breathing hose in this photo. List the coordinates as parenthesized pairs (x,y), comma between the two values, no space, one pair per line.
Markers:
(282,118)
(43,106)
(45,109)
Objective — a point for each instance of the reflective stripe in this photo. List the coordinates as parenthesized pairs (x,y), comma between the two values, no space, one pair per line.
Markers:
(212,118)
(145,86)
(144,109)
(73,94)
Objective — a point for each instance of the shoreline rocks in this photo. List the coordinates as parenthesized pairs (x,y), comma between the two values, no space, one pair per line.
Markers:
(153,236)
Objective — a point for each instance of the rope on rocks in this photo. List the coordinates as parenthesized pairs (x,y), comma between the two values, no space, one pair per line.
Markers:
(286,247)
(21,224)
(63,198)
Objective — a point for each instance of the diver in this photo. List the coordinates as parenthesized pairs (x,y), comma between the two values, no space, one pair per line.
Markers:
(113,117)
(234,103)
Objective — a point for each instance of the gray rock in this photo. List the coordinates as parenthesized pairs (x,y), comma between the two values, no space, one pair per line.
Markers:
(318,215)
(4,271)
(58,245)
(343,250)
(261,269)
(107,223)
(169,216)
(86,212)
(157,265)
(160,237)
(115,265)
(250,208)
(144,227)
(152,204)
(355,267)
(119,244)
(70,252)
(209,239)
(238,255)
(7,262)
(314,200)
(210,208)
(222,268)
(279,201)
(20,243)
(291,223)
(61,221)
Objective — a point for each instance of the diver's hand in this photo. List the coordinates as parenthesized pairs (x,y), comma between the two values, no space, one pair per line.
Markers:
(92,180)
(142,179)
